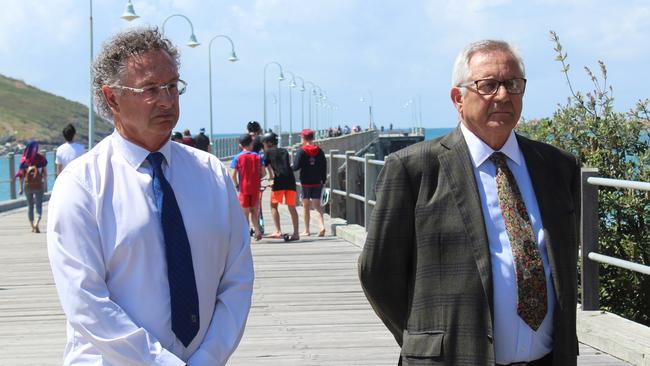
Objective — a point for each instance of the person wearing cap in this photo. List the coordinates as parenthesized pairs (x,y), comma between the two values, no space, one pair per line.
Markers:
(310,160)
(246,174)
(177,137)
(202,141)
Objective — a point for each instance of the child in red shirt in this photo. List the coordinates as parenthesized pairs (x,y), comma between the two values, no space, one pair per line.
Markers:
(246,174)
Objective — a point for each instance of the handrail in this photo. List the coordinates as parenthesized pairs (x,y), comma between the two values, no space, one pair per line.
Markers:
(619,183)
(589,227)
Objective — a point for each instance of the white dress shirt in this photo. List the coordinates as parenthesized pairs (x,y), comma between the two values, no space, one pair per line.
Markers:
(514,340)
(67,152)
(107,253)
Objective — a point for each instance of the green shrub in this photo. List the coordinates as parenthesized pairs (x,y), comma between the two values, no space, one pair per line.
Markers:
(618,145)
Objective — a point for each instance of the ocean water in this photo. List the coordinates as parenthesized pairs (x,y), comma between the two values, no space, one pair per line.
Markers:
(429,133)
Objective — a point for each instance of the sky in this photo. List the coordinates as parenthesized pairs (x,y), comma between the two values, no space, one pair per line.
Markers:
(384,52)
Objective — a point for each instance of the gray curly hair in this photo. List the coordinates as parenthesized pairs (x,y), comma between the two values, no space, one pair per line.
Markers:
(460,72)
(111,61)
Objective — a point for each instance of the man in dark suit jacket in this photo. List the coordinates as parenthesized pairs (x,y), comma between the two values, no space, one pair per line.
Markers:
(443,266)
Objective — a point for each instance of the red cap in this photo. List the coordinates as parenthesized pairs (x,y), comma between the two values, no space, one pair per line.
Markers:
(307,134)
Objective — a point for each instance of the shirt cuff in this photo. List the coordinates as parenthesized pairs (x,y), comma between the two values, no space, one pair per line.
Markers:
(167,358)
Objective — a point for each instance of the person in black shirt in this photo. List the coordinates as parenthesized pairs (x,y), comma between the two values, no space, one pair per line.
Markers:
(202,141)
(310,160)
(284,184)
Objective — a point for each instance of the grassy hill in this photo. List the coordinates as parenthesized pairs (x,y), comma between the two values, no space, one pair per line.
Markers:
(27,112)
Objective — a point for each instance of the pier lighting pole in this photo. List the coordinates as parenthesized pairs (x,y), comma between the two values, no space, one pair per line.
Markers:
(291,86)
(312,91)
(302,102)
(192,42)
(280,78)
(129,14)
(232,58)
(370,103)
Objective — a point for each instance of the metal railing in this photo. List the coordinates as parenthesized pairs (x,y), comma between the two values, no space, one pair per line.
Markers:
(589,227)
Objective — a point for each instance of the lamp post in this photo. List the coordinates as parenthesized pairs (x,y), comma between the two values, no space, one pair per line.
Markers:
(232,58)
(192,42)
(291,86)
(319,99)
(129,14)
(312,91)
(302,103)
(280,78)
(370,123)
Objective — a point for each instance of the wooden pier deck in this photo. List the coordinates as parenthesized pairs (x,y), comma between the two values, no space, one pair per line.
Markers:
(308,306)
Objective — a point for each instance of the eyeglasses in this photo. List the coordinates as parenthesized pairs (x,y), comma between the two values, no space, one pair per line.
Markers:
(491,86)
(151,93)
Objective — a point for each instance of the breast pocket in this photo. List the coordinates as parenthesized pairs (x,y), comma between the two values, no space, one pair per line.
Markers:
(422,347)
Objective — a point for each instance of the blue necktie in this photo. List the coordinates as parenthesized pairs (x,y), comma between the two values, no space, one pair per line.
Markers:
(180,270)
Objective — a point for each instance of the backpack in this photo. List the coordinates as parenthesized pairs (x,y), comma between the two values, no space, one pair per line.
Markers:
(33,178)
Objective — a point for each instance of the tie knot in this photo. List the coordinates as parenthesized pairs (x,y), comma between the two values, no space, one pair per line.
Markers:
(155,159)
(498,158)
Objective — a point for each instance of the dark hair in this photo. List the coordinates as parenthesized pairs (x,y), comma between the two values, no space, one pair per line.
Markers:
(245,140)
(253,126)
(69,132)
(271,138)
(177,136)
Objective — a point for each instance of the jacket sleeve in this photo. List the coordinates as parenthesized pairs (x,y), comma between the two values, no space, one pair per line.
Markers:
(323,167)
(385,264)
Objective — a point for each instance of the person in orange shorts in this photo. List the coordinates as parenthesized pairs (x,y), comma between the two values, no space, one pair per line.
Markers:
(284,184)
(246,174)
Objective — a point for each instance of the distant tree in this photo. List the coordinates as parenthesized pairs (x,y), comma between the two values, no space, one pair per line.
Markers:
(618,145)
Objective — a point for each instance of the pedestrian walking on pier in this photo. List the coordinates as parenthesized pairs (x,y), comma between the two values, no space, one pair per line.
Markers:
(310,160)
(284,184)
(246,173)
(148,246)
(471,252)
(32,172)
(69,150)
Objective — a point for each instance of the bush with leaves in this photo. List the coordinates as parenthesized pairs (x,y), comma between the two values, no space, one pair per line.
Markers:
(618,145)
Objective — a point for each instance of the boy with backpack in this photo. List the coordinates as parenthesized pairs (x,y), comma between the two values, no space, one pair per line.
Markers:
(246,174)
(284,184)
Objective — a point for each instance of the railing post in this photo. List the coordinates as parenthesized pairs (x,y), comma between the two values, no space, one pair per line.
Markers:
(349,204)
(12,174)
(589,223)
(333,181)
(368,183)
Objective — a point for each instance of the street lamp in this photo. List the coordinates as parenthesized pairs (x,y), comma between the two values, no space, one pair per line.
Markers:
(192,42)
(319,99)
(232,58)
(370,123)
(291,86)
(302,102)
(312,92)
(129,14)
(280,78)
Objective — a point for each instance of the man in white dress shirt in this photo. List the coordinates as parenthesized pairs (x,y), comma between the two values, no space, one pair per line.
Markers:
(69,150)
(471,252)
(110,251)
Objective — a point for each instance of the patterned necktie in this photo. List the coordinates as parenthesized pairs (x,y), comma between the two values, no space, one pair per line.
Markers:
(180,270)
(531,281)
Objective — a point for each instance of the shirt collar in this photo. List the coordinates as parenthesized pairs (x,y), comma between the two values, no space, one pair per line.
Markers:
(480,151)
(134,154)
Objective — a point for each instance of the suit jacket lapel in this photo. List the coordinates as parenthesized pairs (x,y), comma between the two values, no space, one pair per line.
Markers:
(455,165)
(539,172)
